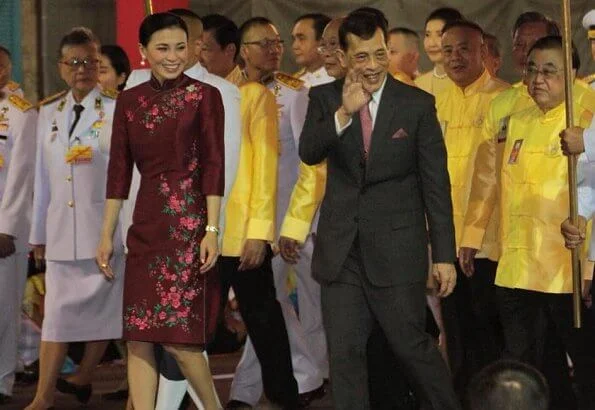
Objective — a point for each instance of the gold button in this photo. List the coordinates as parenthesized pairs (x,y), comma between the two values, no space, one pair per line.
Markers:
(71,204)
(69,178)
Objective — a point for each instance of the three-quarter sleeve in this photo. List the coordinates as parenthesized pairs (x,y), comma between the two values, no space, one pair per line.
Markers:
(119,171)
(211,146)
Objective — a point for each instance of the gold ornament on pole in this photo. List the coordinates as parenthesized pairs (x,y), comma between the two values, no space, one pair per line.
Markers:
(148,7)
(572,159)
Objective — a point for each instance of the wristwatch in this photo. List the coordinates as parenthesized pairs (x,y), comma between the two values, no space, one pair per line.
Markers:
(211,228)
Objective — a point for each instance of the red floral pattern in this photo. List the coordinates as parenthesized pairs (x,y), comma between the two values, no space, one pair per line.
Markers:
(176,287)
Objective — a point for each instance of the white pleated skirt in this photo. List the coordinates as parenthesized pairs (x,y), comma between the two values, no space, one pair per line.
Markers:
(80,304)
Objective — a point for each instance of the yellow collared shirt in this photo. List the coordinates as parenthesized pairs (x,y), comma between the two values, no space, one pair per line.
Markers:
(250,210)
(404,78)
(432,84)
(462,115)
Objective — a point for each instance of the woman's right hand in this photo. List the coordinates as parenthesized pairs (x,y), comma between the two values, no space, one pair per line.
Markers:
(103,256)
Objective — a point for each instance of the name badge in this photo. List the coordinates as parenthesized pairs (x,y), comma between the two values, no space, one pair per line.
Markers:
(514,154)
(79,154)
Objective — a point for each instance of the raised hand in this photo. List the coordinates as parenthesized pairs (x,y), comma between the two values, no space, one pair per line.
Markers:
(354,94)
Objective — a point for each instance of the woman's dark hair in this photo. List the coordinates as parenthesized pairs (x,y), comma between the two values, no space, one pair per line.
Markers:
(156,22)
(446,14)
(119,60)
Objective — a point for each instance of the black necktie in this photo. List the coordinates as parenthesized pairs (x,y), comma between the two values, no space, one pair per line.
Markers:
(78,109)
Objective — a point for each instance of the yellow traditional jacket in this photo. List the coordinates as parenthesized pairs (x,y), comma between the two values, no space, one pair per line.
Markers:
(236,76)
(432,84)
(483,198)
(250,210)
(404,78)
(462,115)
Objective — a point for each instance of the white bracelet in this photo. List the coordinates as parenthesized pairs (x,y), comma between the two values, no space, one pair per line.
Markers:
(211,228)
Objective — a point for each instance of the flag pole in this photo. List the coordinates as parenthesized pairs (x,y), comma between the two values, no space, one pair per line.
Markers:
(148,7)
(572,159)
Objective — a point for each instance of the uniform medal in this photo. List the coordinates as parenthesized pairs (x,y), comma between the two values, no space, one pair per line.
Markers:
(514,154)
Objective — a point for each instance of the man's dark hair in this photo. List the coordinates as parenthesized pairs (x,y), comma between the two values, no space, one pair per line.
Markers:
(404,31)
(319,22)
(507,385)
(252,22)
(6,51)
(181,12)
(377,13)
(493,44)
(551,26)
(78,36)
(224,30)
(463,24)
(156,22)
(362,24)
(555,43)
(446,14)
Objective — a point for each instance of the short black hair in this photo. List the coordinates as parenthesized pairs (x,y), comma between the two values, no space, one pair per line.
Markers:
(551,26)
(404,31)
(319,22)
(181,12)
(463,24)
(493,44)
(508,384)
(362,24)
(377,13)
(446,14)
(555,43)
(5,51)
(224,30)
(78,36)
(119,60)
(253,22)
(156,22)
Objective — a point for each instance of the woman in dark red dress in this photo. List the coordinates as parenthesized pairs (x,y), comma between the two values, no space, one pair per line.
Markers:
(171,128)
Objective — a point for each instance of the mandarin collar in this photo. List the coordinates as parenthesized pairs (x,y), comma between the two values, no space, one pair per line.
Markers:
(167,84)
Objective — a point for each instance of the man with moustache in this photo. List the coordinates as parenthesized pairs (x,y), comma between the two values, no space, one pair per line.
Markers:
(473,331)
(261,50)
(378,171)
(306,35)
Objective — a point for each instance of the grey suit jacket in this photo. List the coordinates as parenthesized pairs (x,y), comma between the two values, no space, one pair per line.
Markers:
(385,200)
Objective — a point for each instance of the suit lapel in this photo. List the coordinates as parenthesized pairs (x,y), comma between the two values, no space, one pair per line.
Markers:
(386,110)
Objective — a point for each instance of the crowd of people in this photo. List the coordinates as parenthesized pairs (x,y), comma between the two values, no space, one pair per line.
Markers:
(423,217)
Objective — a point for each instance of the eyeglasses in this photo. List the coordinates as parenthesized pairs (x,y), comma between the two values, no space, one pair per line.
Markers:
(87,64)
(265,44)
(548,73)
(327,47)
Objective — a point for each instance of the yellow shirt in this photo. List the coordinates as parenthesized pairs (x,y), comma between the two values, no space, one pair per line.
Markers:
(534,201)
(404,78)
(432,84)
(250,210)
(236,76)
(462,114)
(483,198)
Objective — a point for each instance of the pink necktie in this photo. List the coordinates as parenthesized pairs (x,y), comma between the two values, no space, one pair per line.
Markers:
(366,119)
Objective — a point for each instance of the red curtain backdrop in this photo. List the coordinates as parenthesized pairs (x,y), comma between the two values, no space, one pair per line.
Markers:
(129,14)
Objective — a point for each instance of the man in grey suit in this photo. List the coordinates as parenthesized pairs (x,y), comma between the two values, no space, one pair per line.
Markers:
(387,175)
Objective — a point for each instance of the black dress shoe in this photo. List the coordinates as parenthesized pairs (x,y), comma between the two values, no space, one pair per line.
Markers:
(5,399)
(237,404)
(82,393)
(117,395)
(305,399)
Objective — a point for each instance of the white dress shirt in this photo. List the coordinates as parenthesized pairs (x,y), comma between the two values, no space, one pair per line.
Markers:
(372,105)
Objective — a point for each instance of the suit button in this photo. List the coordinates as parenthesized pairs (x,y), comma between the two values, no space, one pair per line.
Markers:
(69,178)
(70,204)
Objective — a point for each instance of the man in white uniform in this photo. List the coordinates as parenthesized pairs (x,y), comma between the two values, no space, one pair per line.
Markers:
(17,164)
(306,35)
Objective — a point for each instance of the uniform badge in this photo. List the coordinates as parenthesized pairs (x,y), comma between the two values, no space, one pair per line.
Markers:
(514,154)
(79,154)
(1,161)
(61,105)
(3,117)
(98,104)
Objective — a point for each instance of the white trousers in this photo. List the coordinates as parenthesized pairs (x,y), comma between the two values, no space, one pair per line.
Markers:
(13,276)
(306,334)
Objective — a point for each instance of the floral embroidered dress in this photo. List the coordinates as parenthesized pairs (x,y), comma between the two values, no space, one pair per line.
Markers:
(173,133)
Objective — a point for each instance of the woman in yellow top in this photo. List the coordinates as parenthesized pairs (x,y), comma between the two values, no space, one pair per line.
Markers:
(436,80)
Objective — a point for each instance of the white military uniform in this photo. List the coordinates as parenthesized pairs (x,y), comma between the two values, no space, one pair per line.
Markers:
(589,25)
(292,100)
(314,78)
(69,196)
(171,392)
(17,165)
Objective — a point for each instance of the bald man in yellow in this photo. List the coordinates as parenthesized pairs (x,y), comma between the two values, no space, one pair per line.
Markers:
(534,274)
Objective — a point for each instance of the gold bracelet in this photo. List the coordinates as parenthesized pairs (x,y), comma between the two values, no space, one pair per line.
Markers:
(211,228)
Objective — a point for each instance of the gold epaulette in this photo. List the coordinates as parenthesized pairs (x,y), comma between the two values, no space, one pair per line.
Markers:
(289,81)
(13,86)
(589,79)
(52,98)
(110,93)
(299,73)
(20,102)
